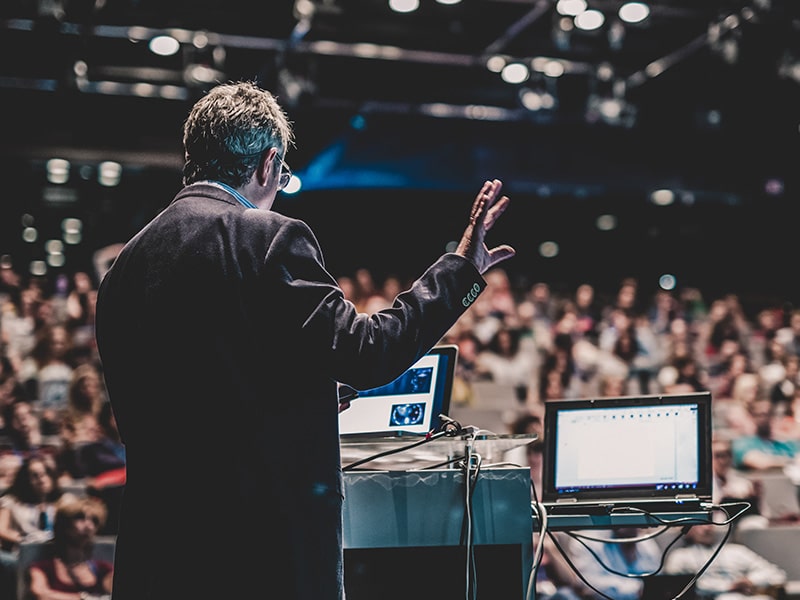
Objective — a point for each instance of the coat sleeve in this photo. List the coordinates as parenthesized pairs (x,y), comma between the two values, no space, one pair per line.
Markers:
(366,350)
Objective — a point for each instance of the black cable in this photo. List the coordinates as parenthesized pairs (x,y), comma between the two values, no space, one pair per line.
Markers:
(687,521)
(425,440)
(573,567)
(580,539)
(690,520)
(470,484)
(441,464)
(538,547)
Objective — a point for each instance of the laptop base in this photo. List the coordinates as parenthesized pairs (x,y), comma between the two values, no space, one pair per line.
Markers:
(609,521)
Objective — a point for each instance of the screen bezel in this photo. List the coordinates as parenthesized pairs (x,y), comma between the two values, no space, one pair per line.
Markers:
(551,494)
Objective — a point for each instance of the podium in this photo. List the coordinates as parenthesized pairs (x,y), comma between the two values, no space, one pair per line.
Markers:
(407,532)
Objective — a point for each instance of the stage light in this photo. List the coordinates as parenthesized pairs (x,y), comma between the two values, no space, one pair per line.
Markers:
(164,45)
(404,6)
(515,73)
(571,8)
(662,197)
(634,12)
(58,170)
(590,20)
(109,173)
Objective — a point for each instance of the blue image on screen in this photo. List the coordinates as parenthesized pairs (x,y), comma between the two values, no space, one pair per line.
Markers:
(413,381)
(412,413)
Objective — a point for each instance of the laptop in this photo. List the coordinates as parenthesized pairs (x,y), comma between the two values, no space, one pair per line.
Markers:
(408,406)
(631,455)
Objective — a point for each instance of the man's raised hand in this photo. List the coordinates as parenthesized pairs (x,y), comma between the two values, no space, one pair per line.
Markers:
(486,209)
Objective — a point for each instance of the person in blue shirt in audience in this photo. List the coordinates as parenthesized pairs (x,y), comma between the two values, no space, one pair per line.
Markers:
(763,450)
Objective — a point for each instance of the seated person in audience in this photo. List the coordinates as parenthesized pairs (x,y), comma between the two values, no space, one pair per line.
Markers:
(534,458)
(787,417)
(98,464)
(9,465)
(505,361)
(613,566)
(732,412)
(555,579)
(99,450)
(27,507)
(731,486)
(782,390)
(11,390)
(528,422)
(46,374)
(737,571)
(104,459)
(24,430)
(763,449)
(27,513)
(85,398)
(73,573)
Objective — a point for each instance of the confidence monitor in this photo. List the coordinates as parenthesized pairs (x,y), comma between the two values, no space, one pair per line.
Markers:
(408,406)
(634,454)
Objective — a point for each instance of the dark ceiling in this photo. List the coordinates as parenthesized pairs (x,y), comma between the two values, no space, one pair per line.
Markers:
(405,104)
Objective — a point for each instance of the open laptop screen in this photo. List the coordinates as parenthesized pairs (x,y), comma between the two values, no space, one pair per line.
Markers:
(409,405)
(628,448)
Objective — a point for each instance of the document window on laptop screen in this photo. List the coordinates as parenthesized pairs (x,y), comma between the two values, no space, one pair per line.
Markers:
(409,405)
(637,448)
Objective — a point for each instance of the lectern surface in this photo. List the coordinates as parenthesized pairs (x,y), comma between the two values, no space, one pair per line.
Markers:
(402,454)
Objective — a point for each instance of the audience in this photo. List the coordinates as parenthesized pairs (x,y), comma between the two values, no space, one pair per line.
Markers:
(548,342)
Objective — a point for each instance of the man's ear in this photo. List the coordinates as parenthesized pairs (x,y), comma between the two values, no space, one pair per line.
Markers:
(265,166)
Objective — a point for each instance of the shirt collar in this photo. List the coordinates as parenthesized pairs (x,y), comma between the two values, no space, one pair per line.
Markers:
(233,192)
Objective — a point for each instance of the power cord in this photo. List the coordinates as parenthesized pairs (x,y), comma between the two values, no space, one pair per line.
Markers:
(471,467)
(687,521)
(538,553)
(447,428)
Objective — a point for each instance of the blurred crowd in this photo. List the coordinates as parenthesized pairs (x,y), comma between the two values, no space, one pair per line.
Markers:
(538,344)
(541,344)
